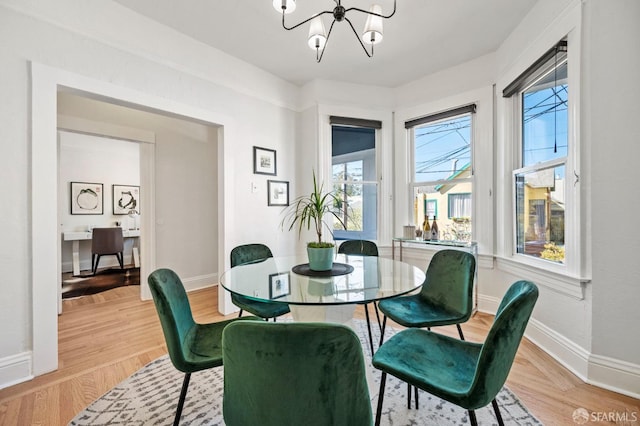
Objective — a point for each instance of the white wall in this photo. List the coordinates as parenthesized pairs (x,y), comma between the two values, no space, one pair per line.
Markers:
(86,158)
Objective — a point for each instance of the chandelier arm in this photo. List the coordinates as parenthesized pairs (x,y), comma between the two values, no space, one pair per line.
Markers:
(373,13)
(358,37)
(326,42)
(305,21)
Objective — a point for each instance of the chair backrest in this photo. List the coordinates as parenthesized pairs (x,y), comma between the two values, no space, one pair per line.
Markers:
(500,347)
(249,253)
(174,311)
(308,374)
(449,281)
(362,247)
(107,240)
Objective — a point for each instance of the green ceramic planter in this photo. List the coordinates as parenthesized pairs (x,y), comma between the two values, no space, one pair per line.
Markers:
(320,259)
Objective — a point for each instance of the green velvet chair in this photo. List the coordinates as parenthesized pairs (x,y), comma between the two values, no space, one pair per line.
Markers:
(251,253)
(310,374)
(445,298)
(467,374)
(192,346)
(363,248)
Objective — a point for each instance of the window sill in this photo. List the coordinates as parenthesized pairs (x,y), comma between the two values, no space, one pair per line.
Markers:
(567,285)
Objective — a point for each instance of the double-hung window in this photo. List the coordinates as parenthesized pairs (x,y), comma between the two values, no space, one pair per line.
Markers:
(441,184)
(541,97)
(353,159)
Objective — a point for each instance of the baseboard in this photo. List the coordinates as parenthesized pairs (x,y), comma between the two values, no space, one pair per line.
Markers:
(200,282)
(615,375)
(15,369)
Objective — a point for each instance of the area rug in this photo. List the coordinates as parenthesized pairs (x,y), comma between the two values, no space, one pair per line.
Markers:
(150,396)
(106,279)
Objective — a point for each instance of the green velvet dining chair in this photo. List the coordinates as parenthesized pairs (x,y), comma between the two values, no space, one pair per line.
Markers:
(467,374)
(251,253)
(192,346)
(310,374)
(445,298)
(363,248)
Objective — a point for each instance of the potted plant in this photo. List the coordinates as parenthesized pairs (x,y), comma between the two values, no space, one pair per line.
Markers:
(311,209)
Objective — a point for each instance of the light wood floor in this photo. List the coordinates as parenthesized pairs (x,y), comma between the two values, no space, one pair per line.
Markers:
(106,337)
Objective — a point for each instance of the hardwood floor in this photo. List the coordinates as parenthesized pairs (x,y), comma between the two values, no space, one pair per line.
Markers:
(106,337)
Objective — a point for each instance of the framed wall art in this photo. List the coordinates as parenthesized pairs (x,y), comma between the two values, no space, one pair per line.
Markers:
(279,285)
(86,198)
(125,199)
(264,161)
(278,192)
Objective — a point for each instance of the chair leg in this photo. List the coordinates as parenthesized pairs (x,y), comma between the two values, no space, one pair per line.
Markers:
(496,409)
(240,313)
(120,259)
(460,332)
(95,266)
(183,395)
(409,395)
(384,324)
(415,391)
(375,306)
(366,313)
(472,418)
(383,379)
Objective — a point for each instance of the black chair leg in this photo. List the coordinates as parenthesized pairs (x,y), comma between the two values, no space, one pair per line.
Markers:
(415,391)
(383,379)
(496,409)
(384,324)
(120,259)
(183,395)
(240,313)
(95,260)
(366,313)
(408,395)
(460,332)
(472,418)
(375,306)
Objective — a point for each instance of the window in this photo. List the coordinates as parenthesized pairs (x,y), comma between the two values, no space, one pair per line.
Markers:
(354,180)
(542,95)
(442,171)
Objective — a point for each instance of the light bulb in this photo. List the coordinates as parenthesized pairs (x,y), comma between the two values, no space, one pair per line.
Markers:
(288,5)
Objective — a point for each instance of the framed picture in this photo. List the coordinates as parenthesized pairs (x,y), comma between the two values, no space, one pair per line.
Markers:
(125,199)
(278,192)
(86,198)
(264,161)
(279,285)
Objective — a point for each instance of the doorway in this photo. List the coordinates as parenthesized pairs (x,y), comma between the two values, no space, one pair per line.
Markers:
(46,83)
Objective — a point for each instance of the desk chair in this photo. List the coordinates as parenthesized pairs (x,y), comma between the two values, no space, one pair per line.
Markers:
(363,248)
(310,374)
(250,253)
(467,374)
(192,346)
(106,241)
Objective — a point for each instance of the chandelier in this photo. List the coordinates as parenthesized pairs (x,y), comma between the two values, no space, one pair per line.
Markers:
(318,37)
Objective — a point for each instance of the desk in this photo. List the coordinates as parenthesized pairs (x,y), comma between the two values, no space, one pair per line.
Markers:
(330,299)
(78,236)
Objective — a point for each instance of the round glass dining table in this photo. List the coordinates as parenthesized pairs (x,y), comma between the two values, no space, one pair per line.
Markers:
(321,296)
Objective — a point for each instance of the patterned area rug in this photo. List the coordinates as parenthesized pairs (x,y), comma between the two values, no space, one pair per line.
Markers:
(150,396)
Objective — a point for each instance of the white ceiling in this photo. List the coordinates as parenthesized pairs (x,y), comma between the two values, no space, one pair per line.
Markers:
(423,37)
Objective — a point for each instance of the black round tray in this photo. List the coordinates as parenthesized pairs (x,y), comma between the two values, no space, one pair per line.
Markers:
(337,269)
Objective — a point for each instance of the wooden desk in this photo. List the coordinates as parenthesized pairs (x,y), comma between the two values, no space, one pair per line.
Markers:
(78,236)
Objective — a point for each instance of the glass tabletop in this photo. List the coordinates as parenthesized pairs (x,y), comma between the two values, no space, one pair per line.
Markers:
(372,278)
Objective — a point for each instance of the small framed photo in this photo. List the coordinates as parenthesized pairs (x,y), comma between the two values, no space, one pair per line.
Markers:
(126,198)
(86,198)
(278,192)
(264,161)
(279,285)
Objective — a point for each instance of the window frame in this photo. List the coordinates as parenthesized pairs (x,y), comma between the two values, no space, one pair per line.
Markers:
(448,114)
(575,244)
